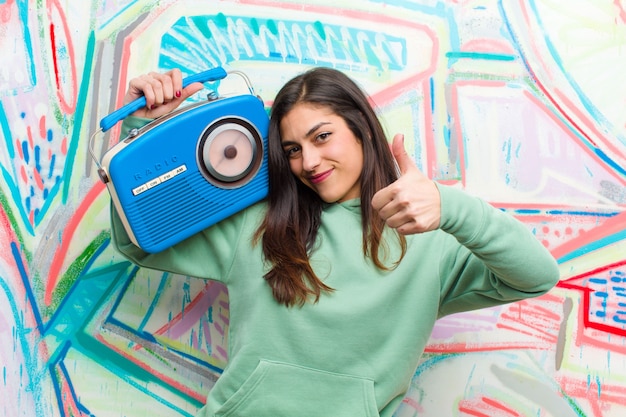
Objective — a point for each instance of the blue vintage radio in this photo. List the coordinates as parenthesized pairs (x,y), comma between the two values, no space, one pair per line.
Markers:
(189,169)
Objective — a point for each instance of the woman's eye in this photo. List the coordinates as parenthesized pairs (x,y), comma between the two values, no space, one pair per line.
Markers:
(322,136)
(292,152)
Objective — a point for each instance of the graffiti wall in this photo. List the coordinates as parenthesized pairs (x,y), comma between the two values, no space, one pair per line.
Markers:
(521,102)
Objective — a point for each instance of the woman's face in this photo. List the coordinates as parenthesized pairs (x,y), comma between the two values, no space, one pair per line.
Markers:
(323,152)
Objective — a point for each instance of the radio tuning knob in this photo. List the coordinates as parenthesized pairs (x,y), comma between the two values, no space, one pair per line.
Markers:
(230,152)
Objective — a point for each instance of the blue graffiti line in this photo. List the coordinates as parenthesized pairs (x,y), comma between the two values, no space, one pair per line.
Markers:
(14,190)
(219,39)
(16,197)
(215,369)
(53,159)
(592,246)
(147,336)
(609,293)
(8,176)
(50,191)
(26,283)
(6,132)
(77,133)
(618,319)
(76,311)
(604,157)
(481,55)
(23,9)
(587,104)
(582,213)
(566,213)
(155,301)
(601,301)
(119,10)
(433,361)
(122,368)
(60,368)
(122,328)
(83,298)
(30,357)
(37,158)
(25,151)
(596,114)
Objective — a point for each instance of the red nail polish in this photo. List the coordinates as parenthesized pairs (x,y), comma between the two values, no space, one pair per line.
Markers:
(178,94)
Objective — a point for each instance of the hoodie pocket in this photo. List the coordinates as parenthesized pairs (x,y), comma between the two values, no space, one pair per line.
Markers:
(276,389)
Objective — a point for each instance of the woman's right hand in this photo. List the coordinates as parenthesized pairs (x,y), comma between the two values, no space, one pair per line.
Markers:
(412,203)
(164,92)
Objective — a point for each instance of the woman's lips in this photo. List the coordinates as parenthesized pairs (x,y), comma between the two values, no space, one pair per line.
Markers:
(316,179)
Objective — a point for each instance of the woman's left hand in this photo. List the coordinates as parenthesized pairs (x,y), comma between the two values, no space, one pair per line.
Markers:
(412,203)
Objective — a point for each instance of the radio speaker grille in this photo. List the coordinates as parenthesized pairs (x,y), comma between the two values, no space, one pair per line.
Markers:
(159,215)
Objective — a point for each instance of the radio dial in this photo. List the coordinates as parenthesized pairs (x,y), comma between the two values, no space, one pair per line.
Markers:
(230,151)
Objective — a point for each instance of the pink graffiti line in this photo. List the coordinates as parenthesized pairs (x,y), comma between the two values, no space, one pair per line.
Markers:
(172,382)
(66,239)
(27,339)
(193,314)
(538,325)
(415,405)
(5,11)
(541,105)
(530,318)
(621,12)
(194,311)
(421,80)
(488,45)
(574,109)
(599,396)
(610,227)
(67,395)
(565,107)
(123,80)
(486,407)
(335,10)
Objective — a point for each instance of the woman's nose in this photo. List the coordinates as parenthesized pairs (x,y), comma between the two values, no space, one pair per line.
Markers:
(310,158)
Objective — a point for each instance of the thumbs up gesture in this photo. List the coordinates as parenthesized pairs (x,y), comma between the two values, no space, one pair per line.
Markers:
(412,203)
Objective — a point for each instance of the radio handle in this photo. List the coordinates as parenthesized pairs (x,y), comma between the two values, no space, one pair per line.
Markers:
(109,121)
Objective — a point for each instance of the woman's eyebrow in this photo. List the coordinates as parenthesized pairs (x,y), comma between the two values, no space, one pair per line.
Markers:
(307,134)
(314,128)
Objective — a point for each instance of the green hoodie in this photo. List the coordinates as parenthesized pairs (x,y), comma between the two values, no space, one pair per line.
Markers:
(354,352)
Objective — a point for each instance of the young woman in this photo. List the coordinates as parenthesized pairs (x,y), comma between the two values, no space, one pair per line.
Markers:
(337,279)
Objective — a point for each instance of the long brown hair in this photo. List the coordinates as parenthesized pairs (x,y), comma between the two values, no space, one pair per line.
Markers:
(294,211)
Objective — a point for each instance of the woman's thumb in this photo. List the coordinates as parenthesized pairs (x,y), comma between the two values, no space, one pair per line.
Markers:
(400,154)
